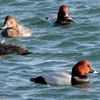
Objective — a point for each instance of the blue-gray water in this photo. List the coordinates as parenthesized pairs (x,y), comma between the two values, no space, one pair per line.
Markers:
(53,47)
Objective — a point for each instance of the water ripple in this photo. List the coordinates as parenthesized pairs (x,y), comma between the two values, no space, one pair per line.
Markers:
(53,47)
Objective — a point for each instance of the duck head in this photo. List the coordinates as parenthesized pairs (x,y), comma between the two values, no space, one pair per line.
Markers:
(80,70)
(10,23)
(63,14)
(83,67)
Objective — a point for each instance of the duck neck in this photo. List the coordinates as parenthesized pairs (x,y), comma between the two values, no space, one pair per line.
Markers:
(79,79)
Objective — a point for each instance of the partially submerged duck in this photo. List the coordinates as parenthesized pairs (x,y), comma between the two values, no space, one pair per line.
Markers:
(63,16)
(9,48)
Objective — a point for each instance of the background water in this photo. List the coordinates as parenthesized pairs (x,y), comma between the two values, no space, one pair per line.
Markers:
(53,47)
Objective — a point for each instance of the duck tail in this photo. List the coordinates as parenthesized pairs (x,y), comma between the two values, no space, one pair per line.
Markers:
(26,53)
(32,79)
(38,79)
(47,17)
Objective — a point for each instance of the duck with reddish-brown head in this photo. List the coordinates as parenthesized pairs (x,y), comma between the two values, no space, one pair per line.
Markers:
(76,76)
(63,16)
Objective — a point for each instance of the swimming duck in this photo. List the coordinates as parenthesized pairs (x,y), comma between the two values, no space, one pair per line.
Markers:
(9,48)
(11,28)
(63,16)
(76,76)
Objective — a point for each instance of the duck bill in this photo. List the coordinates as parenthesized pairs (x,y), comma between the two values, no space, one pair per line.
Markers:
(93,71)
(71,19)
(66,15)
(4,27)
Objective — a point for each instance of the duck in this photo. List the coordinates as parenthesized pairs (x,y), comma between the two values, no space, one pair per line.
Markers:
(63,16)
(10,48)
(74,77)
(11,28)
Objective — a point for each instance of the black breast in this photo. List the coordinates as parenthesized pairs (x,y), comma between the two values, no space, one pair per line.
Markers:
(79,80)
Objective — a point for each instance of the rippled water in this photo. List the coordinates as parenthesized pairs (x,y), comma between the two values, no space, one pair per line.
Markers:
(53,47)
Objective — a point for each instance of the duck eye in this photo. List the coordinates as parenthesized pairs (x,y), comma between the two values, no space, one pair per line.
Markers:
(89,67)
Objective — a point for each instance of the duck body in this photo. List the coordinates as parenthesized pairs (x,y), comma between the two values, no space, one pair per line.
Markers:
(77,76)
(56,78)
(9,48)
(11,28)
(24,30)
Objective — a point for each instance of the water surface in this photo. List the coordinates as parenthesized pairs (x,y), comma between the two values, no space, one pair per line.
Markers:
(53,47)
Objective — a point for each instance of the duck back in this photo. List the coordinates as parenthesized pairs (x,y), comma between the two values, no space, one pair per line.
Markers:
(9,48)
